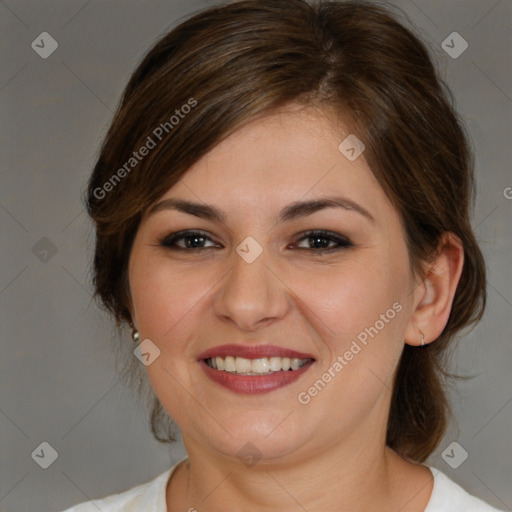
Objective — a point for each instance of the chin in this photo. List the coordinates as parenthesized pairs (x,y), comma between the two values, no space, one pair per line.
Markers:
(260,441)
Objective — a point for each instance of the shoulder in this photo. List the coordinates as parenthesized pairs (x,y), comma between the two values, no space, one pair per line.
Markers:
(447,496)
(149,497)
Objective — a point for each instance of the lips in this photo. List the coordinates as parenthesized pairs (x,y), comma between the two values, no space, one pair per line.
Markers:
(252,352)
(250,384)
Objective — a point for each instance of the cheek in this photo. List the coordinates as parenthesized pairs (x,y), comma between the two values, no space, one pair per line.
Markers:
(166,304)
(360,314)
(353,296)
(163,295)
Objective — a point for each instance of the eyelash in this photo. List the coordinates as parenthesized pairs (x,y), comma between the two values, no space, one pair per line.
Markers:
(343,243)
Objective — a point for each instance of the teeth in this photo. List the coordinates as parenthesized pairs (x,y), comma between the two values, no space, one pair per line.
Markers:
(261,366)
(229,364)
(295,364)
(274,363)
(243,365)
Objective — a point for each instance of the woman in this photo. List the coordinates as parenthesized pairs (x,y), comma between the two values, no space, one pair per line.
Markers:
(282,217)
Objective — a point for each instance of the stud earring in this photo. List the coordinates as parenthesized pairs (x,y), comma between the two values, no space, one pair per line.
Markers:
(135,333)
(422,338)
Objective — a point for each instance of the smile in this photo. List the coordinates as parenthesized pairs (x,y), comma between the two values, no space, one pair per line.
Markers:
(260,366)
(253,369)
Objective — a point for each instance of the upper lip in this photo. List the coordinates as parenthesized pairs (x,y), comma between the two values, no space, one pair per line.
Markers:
(252,352)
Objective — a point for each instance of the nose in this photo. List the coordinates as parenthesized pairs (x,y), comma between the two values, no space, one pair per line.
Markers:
(251,294)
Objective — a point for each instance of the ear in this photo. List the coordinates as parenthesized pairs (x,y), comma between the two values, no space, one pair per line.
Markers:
(433,296)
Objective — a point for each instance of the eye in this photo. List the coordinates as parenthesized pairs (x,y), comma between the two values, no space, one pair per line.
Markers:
(187,240)
(319,241)
(323,241)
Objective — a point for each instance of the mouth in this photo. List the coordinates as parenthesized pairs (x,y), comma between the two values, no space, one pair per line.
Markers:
(254,369)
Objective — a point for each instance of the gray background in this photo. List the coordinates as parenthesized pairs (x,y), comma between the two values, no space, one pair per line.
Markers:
(58,381)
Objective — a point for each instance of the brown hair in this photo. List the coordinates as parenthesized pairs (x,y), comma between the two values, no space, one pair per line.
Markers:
(232,63)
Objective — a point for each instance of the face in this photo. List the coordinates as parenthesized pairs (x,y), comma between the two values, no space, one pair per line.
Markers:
(261,262)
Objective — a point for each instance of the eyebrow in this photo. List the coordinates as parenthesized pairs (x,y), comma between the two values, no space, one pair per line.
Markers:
(293,211)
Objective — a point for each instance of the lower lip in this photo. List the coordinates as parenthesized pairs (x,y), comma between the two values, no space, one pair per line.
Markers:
(254,384)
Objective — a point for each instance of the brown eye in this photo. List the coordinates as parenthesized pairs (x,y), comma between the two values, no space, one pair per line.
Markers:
(187,240)
(325,241)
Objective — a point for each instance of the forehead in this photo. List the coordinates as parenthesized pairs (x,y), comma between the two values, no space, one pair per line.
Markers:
(294,149)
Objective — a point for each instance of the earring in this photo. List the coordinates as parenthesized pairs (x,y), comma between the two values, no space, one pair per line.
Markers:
(422,338)
(135,333)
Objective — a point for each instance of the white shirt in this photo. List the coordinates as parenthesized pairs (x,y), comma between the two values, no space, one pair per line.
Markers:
(446,496)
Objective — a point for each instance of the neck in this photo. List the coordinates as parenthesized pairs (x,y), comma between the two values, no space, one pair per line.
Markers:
(283,487)
(371,477)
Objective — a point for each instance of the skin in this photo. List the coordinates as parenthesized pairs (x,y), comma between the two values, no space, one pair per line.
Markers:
(330,454)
